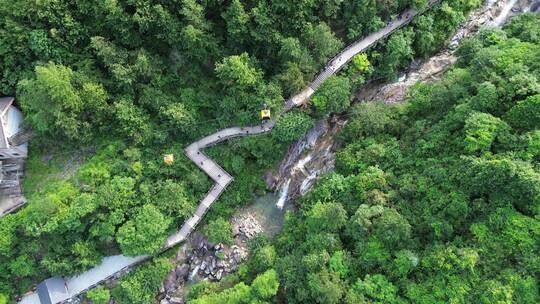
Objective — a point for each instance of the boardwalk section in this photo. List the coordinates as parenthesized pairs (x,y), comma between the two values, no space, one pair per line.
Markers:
(110,266)
(73,286)
(346,55)
(221,177)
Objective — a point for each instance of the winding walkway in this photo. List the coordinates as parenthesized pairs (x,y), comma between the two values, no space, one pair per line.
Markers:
(220,176)
(346,55)
(212,169)
(61,289)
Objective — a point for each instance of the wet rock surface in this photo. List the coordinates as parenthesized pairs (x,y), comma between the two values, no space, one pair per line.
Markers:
(309,158)
(245,227)
(270,179)
(313,155)
(201,260)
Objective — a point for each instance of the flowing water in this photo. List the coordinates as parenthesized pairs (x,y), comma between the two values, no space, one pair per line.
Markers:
(314,154)
(268,214)
(283,195)
(192,279)
(309,158)
(501,18)
(193,273)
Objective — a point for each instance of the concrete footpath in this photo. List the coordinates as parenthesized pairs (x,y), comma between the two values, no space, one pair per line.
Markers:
(59,289)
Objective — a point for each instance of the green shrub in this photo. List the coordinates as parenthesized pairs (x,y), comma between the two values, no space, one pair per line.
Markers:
(99,295)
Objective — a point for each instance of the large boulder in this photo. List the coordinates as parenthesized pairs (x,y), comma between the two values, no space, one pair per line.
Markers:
(182,272)
(175,300)
(270,180)
(170,284)
(181,255)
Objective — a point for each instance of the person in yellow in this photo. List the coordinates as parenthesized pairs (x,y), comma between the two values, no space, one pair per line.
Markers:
(265,113)
(168,159)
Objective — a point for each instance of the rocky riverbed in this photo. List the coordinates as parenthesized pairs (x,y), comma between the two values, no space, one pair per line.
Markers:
(314,154)
(490,15)
(309,158)
(200,260)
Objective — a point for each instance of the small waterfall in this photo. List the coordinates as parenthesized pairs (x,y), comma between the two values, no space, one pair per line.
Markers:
(504,14)
(312,156)
(307,183)
(301,163)
(283,195)
(193,273)
(314,134)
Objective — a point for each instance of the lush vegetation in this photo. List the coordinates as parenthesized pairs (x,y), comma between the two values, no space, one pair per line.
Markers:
(432,201)
(99,295)
(132,80)
(141,286)
(263,289)
(219,231)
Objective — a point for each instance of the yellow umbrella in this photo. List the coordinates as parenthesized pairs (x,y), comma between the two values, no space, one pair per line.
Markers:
(168,159)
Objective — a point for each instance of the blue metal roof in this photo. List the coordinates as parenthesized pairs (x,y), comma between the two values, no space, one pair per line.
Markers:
(53,290)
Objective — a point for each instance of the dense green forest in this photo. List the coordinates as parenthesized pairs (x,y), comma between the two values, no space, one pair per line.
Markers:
(432,201)
(110,86)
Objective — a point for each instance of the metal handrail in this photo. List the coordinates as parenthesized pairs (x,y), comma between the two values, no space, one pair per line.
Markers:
(319,78)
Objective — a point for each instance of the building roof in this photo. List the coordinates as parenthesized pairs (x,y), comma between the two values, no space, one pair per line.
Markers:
(11,121)
(52,291)
(5,102)
(108,267)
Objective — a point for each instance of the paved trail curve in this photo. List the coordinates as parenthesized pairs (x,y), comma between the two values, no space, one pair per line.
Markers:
(220,176)
(114,264)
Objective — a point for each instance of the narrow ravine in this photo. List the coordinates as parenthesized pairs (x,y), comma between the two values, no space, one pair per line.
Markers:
(314,154)
(306,160)
(78,284)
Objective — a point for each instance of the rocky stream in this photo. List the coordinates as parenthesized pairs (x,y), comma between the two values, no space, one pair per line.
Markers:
(309,158)
(314,154)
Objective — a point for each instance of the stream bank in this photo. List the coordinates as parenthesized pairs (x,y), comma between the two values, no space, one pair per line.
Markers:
(200,260)
(314,154)
(306,160)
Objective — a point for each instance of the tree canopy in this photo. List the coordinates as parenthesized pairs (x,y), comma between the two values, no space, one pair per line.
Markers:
(109,87)
(433,201)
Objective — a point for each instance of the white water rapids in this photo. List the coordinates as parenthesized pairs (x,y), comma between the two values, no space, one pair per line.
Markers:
(501,18)
(283,195)
(193,273)
(299,172)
